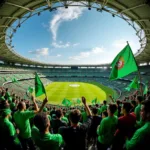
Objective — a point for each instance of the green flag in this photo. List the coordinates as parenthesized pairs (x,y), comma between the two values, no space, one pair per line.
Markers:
(94,101)
(123,64)
(5,79)
(14,80)
(66,102)
(133,85)
(78,101)
(39,87)
(146,89)
(30,89)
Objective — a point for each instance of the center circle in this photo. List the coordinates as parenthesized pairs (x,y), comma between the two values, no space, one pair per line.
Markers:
(74,85)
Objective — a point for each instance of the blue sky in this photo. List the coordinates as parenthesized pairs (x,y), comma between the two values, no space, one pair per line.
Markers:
(74,36)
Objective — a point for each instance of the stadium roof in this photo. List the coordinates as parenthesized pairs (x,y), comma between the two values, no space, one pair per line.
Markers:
(14,12)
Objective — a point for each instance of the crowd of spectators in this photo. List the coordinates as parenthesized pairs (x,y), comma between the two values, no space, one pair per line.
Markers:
(117,125)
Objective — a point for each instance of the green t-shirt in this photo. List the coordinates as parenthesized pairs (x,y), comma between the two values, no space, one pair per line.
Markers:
(21,119)
(8,130)
(7,94)
(12,105)
(103,108)
(137,112)
(46,141)
(65,119)
(84,116)
(2,98)
(140,139)
(107,130)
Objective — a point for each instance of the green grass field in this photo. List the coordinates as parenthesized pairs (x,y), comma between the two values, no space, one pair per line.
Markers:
(57,91)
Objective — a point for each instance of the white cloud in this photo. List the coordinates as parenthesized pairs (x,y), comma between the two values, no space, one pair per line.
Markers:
(40,52)
(60,45)
(91,53)
(75,44)
(58,55)
(64,15)
(97,50)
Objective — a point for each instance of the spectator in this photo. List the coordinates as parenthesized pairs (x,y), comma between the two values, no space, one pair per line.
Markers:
(118,107)
(75,135)
(21,118)
(63,118)
(125,127)
(92,135)
(57,123)
(53,112)
(8,135)
(7,94)
(2,97)
(141,138)
(107,129)
(104,114)
(133,104)
(137,110)
(41,135)
(103,108)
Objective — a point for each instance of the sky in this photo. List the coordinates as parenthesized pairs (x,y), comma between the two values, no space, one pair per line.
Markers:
(74,36)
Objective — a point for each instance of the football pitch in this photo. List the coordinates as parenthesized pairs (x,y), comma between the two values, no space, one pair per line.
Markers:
(57,91)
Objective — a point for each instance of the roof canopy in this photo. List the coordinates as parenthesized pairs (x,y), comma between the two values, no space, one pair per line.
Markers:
(136,13)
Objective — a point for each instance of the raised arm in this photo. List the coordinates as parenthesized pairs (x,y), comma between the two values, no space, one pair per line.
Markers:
(88,111)
(35,104)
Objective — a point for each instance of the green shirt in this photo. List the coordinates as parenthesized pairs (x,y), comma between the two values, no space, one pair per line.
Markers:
(12,105)
(103,108)
(8,130)
(140,139)
(84,116)
(46,141)
(7,94)
(137,112)
(2,98)
(107,130)
(65,119)
(22,121)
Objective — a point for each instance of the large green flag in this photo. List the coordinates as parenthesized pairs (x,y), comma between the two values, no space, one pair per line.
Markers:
(123,64)
(133,85)
(39,87)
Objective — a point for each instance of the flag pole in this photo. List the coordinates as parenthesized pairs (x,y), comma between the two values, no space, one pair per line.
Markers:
(141,89)
(140,82)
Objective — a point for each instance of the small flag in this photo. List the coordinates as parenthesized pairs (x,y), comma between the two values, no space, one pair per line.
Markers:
(78,101)
(30,89)
(133,85)
(146,89)
(14,80)
(94,101)
(5,79)
(39,87)
(123,64)
(66,102)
